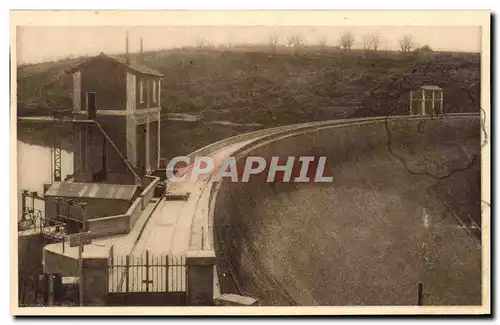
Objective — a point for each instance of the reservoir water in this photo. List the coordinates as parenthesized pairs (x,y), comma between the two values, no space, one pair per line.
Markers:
(35,168)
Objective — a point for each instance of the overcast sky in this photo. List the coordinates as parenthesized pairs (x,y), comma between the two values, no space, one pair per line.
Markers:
(45,43)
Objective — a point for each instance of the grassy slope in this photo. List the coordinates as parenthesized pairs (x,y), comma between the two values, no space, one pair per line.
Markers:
(277,88)
(248,85)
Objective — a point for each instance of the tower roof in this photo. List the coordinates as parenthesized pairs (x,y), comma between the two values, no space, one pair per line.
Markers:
(431,87)
(131,64)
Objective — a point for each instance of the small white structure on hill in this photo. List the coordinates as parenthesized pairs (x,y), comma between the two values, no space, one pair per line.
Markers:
(427,100)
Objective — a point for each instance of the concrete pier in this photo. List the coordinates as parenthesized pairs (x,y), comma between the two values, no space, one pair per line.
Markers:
(200,277)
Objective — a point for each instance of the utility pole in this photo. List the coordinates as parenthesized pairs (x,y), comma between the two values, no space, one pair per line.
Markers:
(420,294)
(24,195)
(59,117)
(57,146)
(81,243)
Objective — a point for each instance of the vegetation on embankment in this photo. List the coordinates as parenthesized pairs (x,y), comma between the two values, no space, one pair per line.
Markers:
(45,134)
(282,87)
(255,85)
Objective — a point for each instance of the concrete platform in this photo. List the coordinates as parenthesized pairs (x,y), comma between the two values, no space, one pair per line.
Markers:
(169,229)
(122,244)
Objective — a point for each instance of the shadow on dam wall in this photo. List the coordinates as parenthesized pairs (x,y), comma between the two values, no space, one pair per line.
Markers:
(396,214)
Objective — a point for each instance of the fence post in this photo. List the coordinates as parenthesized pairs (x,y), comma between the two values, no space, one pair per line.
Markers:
(58,288)
(35,292)
(166,273)
(147,271)
(127,267)
(33,200)
(45,290)
(200,277)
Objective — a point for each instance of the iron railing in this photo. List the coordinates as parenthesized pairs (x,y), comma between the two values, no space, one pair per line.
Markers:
(146,273)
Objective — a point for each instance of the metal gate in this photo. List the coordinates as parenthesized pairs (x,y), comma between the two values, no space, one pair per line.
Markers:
(147,280)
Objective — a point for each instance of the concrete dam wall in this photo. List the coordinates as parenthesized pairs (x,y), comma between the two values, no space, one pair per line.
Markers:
(401,210)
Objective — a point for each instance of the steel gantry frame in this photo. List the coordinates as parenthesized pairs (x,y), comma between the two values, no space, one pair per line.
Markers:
(59,116)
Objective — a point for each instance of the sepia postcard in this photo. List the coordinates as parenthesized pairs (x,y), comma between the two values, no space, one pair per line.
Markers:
(250,162)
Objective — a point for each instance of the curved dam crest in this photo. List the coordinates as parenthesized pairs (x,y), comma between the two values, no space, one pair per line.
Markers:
(399,211)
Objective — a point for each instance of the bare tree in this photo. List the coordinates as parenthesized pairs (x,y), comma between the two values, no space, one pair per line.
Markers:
(371,42)
(210,44)
(295,41)
(367,43)
(200,42)
(322,42)
(375,40)
(406,43)
(346,41)
(274,40)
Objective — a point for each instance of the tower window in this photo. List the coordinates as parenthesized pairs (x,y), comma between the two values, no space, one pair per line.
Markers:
(154,91)
(141,91)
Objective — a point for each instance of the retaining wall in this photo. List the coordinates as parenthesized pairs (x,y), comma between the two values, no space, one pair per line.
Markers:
(123,223)
(30,248)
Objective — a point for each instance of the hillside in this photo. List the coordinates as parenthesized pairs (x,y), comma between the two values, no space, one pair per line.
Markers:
(278,88)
